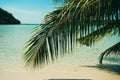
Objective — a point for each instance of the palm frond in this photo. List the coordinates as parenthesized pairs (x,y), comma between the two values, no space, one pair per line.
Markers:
(114,50)
(110,29)
(50,41)
(87,13)
(60,29)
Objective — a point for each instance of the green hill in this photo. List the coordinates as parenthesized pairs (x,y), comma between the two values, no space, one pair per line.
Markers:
(7,18)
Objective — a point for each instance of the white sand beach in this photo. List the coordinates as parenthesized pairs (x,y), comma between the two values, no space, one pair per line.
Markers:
(79,73)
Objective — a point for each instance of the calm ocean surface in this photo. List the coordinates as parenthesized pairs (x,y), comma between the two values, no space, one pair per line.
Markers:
(12,42)
(14,37)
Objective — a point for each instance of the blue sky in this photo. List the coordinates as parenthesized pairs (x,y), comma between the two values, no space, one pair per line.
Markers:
(28,11)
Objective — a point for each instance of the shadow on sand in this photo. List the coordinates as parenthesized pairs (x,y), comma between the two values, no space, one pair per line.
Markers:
(107,67)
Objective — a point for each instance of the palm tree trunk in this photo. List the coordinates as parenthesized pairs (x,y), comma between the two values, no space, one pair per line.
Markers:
(101,58)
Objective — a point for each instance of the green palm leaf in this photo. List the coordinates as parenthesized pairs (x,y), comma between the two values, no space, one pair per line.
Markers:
(48,43)
(110,29)
(75,19)
(114,50)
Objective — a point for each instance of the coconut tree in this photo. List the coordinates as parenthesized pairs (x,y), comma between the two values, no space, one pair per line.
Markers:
(86,21)
(107,24)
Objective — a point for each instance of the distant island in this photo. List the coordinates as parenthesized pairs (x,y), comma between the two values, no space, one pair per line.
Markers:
(7,18)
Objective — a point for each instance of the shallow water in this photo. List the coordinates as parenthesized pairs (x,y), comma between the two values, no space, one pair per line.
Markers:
(12,41)
(14,37)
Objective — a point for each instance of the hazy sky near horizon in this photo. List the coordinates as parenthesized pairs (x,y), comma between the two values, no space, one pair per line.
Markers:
(28,11)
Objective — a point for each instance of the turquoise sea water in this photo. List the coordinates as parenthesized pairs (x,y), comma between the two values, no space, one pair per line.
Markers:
(14,37)
(12,41)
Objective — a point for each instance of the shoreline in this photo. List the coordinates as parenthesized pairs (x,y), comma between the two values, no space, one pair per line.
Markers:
(76,72)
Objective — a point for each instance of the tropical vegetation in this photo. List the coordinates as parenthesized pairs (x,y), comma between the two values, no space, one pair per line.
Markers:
(83,21)
(7,18)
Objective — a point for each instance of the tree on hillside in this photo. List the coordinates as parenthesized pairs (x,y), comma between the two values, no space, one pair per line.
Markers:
(87,21)
(7,18)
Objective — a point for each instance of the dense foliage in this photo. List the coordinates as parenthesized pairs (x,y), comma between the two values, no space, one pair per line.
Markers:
(7,18)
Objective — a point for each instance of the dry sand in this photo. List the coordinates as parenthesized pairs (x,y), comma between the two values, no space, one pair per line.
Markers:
(47,73)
